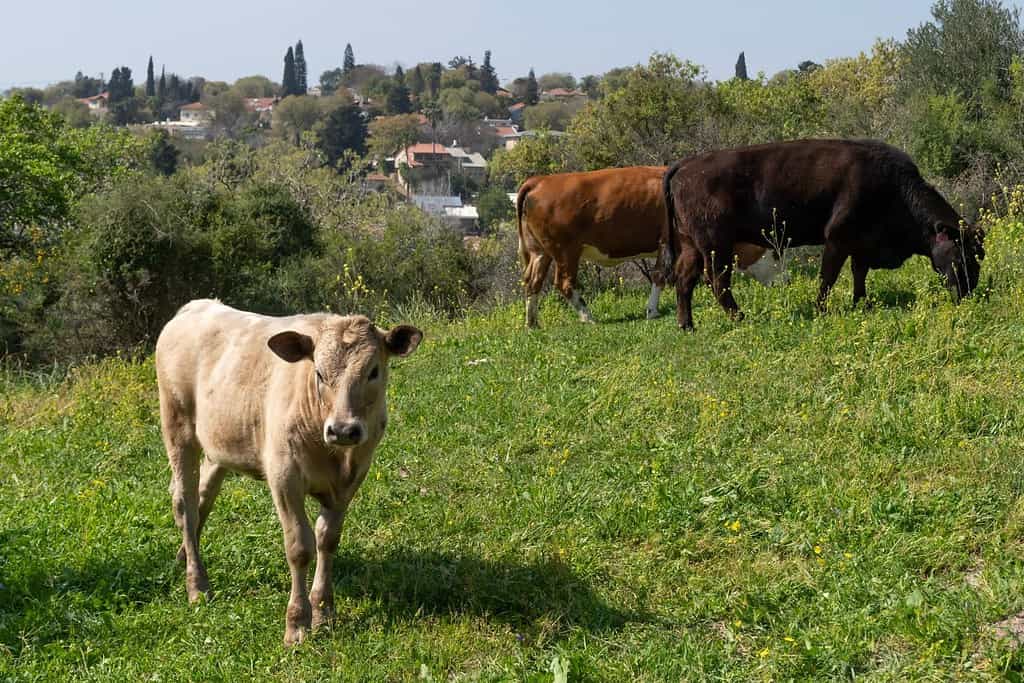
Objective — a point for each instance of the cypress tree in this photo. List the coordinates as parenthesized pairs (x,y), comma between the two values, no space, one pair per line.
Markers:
(289,84)
(161,90)
(435,78)
(741,68)
(416,83)
(398,98)
(350,60)
(150,80)
(532,90)
(488,78)
(301,84)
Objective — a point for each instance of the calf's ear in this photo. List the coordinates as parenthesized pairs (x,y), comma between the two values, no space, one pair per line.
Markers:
(291,346)
(402,340)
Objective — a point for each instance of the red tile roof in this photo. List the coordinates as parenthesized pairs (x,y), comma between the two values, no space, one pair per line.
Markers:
(504,131)
(517,106)
(195,106)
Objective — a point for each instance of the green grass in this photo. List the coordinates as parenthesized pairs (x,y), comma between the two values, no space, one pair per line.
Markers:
(790,497)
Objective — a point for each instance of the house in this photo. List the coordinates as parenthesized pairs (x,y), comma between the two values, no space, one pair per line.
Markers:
(97,104)
(430,165)
(450,208)
(512,139)
(196,112)
(263,107)
(314,91)
(470,164)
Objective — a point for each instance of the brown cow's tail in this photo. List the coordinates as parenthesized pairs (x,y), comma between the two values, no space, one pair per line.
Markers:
(524,190)
(670,242)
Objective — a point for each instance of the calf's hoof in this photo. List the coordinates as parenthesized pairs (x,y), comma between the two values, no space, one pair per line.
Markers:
(736,316)
(294,635)
(322,617)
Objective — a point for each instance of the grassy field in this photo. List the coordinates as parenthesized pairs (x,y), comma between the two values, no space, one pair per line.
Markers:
(790,497)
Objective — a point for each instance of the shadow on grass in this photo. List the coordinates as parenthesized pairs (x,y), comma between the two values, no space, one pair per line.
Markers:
(526,596)
(53,603)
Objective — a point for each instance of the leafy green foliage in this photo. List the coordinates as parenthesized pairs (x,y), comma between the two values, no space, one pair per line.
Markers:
(494,207)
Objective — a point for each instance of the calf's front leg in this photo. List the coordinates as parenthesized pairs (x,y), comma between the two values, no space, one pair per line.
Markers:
(328,532)
(298,547)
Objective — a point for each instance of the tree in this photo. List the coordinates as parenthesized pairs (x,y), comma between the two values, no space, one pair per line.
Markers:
(494,207)
(254,86)
(343,130)
(398,97)
(233,118)
(301,82)
(549,115)
(289,80)
(532,90)
(294,115)
(488,77)
(967,47)
(416,82)
(46,167)
(161,89)
(658,116)
(86,86)
(150,79)
(741,67)
(163,156)
(349,62)
(331,80)
(74,112)
(434,81)
(557,80)
(592,86)
(121,89)
(391,133)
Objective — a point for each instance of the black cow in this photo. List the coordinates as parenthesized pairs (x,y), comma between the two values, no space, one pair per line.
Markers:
(861,199)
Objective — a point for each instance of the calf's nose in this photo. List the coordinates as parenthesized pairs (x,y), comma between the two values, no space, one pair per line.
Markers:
(346,433)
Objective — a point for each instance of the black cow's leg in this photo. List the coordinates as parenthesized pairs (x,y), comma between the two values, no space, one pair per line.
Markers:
(832,259)
(720,268)
(860,276)
(689,265)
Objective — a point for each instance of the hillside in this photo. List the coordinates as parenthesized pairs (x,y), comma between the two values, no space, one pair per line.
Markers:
(791,496)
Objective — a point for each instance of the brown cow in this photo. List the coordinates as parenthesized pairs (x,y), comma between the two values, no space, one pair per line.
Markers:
(606,217)
(861,199)
(299,402)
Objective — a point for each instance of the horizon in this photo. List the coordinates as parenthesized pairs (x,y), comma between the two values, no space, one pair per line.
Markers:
(568,40)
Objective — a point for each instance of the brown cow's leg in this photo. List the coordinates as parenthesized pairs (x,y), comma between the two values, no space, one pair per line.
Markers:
(566,269)
(832,259)
(211,476)
(860,276)
(689,266)
(328,532)
(533,280)
(299,545)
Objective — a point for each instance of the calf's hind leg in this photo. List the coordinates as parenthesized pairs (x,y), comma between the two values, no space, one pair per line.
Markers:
(211,476)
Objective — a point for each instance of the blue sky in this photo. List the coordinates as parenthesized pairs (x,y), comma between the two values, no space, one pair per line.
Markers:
(48,40)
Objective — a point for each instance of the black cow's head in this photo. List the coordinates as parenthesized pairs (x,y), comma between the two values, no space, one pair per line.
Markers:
(956,255)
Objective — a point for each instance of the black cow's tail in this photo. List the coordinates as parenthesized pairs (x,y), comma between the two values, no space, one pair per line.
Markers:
(669,242)
(524,190)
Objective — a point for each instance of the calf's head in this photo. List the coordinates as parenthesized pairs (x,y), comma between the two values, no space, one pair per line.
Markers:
(956,256)
(350,372)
